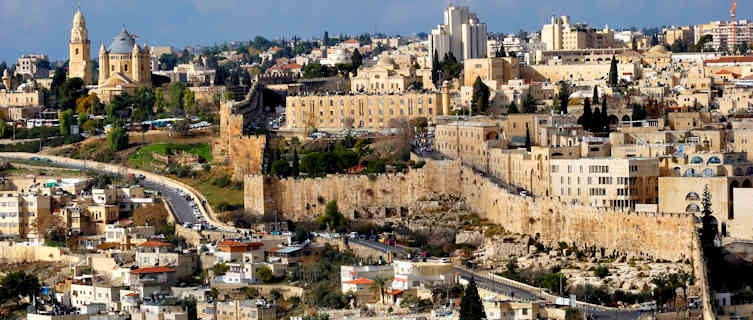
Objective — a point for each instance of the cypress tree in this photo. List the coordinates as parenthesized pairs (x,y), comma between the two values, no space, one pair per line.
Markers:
(596,120)
(604,118)
(529,103)
(613,77)
(481,94)
(595,99)
(296,169)
(356,60)
(587,115)
(471,307)
(528,139)
(564,96)
(513,108)
(435,69)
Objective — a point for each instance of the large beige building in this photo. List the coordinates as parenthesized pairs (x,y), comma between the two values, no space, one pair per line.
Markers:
(605,182)
(561,34)
(25,95)
(386,76)
(19,212)
(495,72)
(366,110)
(80,64)
(123,67)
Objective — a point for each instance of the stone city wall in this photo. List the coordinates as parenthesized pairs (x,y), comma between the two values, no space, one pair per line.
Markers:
(305,199)
(10,253)
(666,236)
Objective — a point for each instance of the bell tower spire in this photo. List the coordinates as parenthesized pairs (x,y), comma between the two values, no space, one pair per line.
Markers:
(79,64)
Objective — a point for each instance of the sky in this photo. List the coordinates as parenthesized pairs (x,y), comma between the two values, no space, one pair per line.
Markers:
(43,26)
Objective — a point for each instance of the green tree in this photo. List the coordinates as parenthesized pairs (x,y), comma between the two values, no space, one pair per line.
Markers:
(471,307)
(295,170)
(586,119)
(280,168)
(57,79)
(189,102)
(604,115)
(66,121)
(529,103)
(117,139)
(181,127)
(702,42)
(595,99)
(69,92)
(264,274)
(512,108)
(356,60)
(564,96)
(709,229)
(175,93)
(613,75)
(332,218)
(89,126)
(189,305)
(501,53)
(220,269)
(380,284)
(17,285)
(3,128)
(435,69)
(528,139)
(159,100)
(480,100)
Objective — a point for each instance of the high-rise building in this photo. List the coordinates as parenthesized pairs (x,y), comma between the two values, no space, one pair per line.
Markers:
(80,65)
(560,34)
(461,34)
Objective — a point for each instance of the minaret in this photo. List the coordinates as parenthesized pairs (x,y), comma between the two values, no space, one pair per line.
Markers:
(733,46)
(79,65)
(104,65)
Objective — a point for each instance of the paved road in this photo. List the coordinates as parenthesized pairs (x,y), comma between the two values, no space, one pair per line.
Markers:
(505,288)
(180,205)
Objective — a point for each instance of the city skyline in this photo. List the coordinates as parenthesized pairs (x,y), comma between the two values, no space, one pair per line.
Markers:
(46,24)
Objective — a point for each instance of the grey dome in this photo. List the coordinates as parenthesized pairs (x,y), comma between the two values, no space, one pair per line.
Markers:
(122,43)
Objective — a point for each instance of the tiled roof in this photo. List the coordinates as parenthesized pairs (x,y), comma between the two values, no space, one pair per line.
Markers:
(152,270)
(730,60)
(152,243)
(360,281)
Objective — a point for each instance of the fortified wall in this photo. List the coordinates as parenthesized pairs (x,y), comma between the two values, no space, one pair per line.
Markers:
(236,144)
(665,236)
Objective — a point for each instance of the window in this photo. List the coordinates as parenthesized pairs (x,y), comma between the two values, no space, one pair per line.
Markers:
(692,196)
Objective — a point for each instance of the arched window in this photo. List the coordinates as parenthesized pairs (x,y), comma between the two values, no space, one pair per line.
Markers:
(749,171)
(747,184)
(678,171)
(729,160)
(692,196)
(692,208)
(708,172)
(696,160)
(690,173)
(714,160)
(739,172)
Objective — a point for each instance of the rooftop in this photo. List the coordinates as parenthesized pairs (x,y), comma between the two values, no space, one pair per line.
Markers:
(152,270)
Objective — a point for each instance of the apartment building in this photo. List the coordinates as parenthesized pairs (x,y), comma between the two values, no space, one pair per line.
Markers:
(365,110)
(605,182)
(561,34)
(415,275)
(20,211)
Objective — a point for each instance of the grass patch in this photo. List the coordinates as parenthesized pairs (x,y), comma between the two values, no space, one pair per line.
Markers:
(142,158)
(216,195)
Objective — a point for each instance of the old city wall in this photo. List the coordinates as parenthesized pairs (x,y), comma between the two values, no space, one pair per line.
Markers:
(10,253)
(305,199)
(666,236)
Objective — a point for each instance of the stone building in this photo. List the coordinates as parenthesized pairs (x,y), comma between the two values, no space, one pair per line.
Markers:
(123,67)
(462,35)
(561,34)
(25,95)
(19,212)
(365,110)
(33,66)
(495,72)
(386,76)
(80,64)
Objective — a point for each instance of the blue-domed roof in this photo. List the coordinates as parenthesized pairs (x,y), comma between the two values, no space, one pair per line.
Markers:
(122,43)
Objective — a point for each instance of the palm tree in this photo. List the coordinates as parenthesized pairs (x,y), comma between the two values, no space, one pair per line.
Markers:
(381,283)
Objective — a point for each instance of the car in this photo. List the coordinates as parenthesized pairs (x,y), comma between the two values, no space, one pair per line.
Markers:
(35,159)
(353,235)
(362,237)
(187,225)
(373,238)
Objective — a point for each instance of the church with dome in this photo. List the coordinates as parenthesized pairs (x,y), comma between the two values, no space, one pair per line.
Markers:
(123,65)
(384,77)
